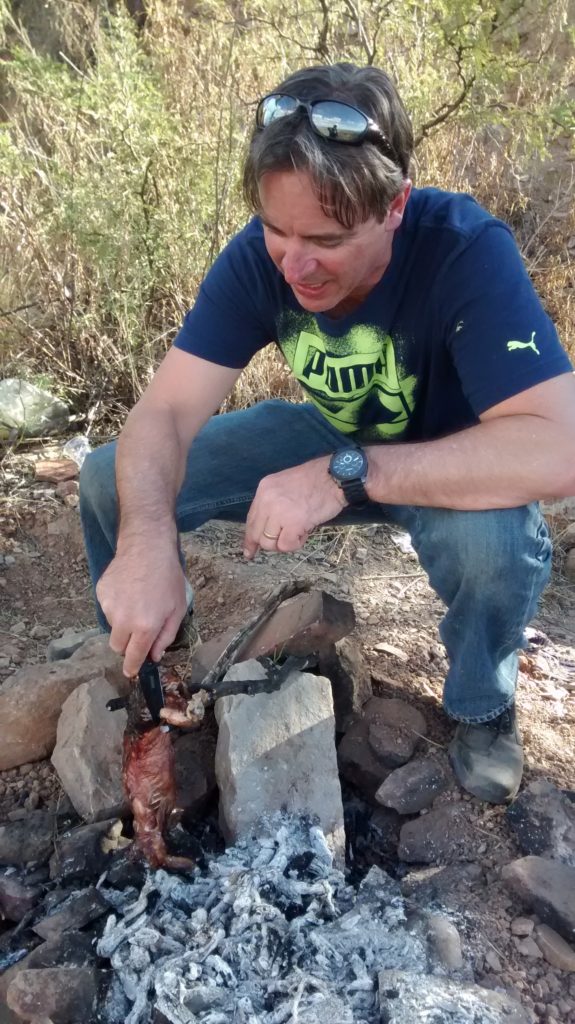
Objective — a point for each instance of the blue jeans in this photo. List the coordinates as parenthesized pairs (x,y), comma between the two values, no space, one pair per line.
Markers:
(488,567)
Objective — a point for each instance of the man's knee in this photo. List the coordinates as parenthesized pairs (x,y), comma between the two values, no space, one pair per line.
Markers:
(501,545)
(98,480)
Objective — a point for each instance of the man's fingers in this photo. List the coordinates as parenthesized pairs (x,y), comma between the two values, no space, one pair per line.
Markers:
(119,638)
(137,651)
(165,636)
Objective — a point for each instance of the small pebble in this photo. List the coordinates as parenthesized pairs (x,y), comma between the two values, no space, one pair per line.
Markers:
(522,926)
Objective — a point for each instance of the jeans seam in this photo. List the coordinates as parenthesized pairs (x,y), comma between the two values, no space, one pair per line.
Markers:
(480,719)
(216,505)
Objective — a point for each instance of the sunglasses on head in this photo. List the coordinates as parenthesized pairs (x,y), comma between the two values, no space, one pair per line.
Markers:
(330,119)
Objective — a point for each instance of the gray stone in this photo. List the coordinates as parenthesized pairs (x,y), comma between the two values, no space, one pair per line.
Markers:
(29,411)
(543,821)
(72,914)
(29,840)
(406,997)
(395,730)
(88,751)
(64,994)
(522,926)
(556,951)
(277,751)
(441,836)
(346,668)
(415,785)
(357,761)
(545,887)
(63,647)
(70,949)
(17,898)
(445,941)
(31,700)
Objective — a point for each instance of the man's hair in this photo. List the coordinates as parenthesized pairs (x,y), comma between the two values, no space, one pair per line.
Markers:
(352,182)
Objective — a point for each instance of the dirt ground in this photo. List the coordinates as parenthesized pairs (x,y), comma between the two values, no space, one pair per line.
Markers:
(44,589)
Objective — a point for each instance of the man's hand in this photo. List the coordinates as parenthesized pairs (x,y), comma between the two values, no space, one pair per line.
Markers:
(142,594)
(289,505)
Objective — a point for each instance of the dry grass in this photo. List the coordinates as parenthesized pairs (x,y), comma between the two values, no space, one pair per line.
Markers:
(120,165)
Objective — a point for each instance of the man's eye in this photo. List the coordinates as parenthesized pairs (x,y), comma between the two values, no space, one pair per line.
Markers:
(329,243)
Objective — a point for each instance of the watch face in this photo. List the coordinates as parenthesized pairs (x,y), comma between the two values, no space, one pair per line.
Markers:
(349,464)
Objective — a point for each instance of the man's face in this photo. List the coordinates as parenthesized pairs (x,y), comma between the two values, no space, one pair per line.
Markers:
(330,268)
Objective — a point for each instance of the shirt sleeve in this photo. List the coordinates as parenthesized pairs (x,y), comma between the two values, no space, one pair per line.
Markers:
(230,320)
(500,338)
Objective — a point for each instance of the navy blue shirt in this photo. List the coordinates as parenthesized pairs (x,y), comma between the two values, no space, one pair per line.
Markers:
(453,327)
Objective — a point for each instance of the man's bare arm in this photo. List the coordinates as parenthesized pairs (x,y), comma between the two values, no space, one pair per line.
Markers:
(522,450)
(142,591)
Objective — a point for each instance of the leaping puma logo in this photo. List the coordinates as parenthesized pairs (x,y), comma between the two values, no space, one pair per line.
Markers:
(511,345)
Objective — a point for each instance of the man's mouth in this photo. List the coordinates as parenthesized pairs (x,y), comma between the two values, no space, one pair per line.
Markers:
(309,290)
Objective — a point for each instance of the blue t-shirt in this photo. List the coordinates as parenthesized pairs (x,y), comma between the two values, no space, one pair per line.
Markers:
(453,327)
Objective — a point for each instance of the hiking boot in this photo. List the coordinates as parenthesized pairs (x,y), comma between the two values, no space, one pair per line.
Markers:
(487,757)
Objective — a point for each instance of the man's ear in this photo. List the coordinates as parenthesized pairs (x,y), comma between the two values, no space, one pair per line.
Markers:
(397,207)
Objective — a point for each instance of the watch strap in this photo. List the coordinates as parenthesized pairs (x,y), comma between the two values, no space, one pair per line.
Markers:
(354,491)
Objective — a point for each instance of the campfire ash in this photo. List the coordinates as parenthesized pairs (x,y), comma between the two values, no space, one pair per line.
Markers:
(271,933)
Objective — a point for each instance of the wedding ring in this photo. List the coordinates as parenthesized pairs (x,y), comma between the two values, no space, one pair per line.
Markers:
(271,536)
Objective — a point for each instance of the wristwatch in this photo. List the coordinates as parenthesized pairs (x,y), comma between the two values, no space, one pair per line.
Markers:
(348,467)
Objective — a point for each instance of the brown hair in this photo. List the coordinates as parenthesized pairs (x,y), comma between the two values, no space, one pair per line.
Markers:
(352,183)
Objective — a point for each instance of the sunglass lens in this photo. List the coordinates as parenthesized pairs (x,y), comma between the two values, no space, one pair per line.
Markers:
(337,121)
(273,107)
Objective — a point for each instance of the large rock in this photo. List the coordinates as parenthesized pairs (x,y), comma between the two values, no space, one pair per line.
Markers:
(442,836)
(277,751)
(384,737)
(358,763)
(309,622)
(28,840)
(88,751)
(414,786)
(31,700)
(348,672)
(70,949)
(547,888)
(303,624)
(556,951)
(395,729)
(543,820)
(405,998)
(63,994)
(29,411)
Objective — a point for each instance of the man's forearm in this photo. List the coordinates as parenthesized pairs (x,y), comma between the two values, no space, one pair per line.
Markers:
(500,463)
(150,466)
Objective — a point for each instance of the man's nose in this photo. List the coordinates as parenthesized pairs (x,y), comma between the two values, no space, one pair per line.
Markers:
(297,265)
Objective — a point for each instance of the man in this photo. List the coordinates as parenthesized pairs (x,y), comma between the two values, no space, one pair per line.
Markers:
(439,399)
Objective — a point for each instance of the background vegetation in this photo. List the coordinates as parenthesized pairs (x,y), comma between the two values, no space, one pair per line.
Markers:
(124,128)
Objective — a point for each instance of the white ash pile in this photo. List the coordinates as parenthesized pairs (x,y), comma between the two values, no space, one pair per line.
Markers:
(270,934)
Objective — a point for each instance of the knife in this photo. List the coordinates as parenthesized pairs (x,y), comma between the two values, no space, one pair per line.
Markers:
(151,687)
